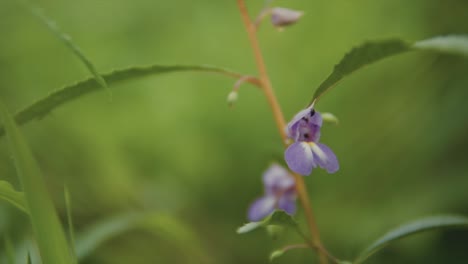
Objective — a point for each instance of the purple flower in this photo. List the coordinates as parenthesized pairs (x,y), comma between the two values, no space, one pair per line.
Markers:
(306,153)
(280,193)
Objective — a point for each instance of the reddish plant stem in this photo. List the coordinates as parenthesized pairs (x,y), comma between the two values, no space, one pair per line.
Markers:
(267,89)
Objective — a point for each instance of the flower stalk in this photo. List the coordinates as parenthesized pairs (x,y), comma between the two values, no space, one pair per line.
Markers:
(266,87)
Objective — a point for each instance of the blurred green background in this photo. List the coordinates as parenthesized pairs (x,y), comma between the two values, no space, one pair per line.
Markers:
(170,144)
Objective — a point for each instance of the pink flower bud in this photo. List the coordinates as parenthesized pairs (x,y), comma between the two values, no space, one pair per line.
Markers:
(281,17)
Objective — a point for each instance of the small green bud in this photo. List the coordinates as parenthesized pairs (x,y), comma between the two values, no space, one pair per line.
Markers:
(232,98)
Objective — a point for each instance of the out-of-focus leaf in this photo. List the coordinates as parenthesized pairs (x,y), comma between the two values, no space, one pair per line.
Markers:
(49,234)
(456,44)
(71,232)
(375,51)
(330,118)
(278,217)
(12,196)
(65,39)
(418,226)
(278,253)
(9,250)
(43,106)
(161,225)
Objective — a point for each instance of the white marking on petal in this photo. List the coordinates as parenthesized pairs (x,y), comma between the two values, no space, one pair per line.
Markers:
(318,151)
(307,151)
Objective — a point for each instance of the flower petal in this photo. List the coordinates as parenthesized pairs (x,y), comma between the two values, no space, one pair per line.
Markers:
(288,204)
(308,117)
(325,158)
(276,179)
(261,208)
(299,158)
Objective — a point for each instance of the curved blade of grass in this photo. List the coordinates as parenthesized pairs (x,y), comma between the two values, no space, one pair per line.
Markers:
(10,195)
(65,39)
(48,231)
(161,225)
(43,106)
(374,51)
(418,226)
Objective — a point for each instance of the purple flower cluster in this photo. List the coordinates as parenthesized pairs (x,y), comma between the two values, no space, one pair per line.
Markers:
(301,156)
(306,153)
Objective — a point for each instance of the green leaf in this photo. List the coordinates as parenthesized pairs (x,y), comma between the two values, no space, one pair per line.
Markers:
(418,226)
(374,51)
(278,217)
(330,118)
(43,106)
(455,44)
(280,252)
(9,250)
(13,197)
(276,254)
(48,231)
(65,39)
(71,232)
(161,225)
(359,57)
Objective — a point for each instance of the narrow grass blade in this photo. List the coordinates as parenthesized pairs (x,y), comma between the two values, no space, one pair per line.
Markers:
(65,39)
(48,231)
(15,198)
(43,106)
(418,226)
(161,225)
(71,232)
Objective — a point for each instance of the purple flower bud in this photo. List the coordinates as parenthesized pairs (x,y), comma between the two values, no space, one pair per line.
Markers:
(281,17)
(306,153)
(280,193)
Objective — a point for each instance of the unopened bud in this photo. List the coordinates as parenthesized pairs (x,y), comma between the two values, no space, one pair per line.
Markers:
(232,98)
(330,118)
(281,17)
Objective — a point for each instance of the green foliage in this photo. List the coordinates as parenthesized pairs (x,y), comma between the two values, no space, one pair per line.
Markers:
(418,226)
(276,254)
(46,225)
(71,232)
(12,196)
(371,52)
(452,44)
(359,57)
(43,106)
(280,252)
(9,250)
(161,225)
(277,218)
(65,39)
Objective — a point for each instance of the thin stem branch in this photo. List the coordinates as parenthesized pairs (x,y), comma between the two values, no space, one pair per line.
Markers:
(263,75)
(281,125)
